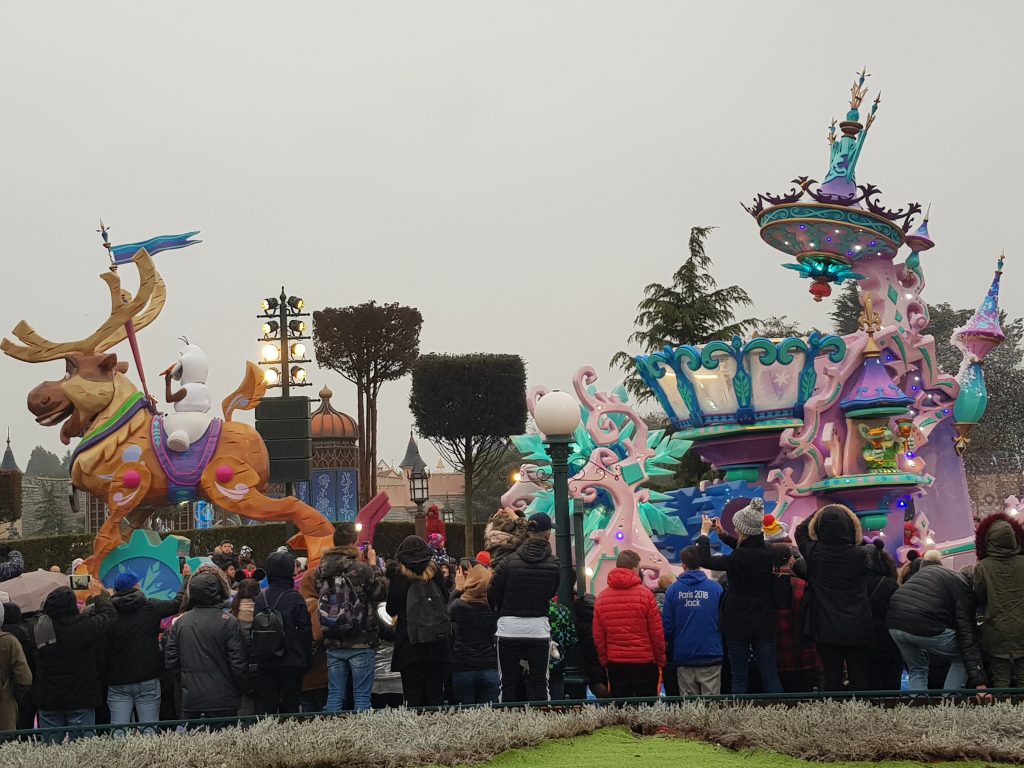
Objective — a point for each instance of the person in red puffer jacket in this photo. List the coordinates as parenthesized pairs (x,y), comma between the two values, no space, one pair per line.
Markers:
(628,632)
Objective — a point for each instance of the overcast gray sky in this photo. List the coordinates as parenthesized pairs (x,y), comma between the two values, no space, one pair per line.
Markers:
(517,170)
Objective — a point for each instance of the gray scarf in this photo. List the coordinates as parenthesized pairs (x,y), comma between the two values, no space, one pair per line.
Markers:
(44,633)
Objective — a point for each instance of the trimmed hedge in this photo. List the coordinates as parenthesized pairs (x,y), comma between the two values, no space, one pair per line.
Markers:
(44,551)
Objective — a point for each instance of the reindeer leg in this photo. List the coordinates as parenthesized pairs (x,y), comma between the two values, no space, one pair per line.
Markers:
(127,490)
(231,484)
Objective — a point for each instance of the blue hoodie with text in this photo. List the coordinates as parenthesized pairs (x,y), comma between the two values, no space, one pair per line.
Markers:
(690,617)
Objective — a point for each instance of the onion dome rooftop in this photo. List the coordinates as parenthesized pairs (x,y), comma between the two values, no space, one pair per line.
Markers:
(328,423)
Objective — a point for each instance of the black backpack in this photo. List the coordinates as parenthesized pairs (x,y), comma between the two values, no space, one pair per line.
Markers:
(267,632)
(426,615)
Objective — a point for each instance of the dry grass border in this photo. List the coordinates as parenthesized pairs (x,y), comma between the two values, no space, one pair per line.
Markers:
(821,731)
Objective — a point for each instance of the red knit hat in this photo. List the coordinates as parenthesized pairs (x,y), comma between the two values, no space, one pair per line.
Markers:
(484,558)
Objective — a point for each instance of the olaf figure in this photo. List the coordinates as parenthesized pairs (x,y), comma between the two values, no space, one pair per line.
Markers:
(192,403)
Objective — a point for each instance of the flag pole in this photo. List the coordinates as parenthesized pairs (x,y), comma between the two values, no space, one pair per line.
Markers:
(129,325)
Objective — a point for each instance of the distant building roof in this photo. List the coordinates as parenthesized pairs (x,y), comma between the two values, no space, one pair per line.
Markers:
(8,464)
(413,461)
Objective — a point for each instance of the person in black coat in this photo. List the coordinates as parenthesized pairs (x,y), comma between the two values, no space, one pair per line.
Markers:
(133,652)
(932,614)
(746,618)
(205,645)
(474,658)
(521,590)
(280,677)
(14,626)
(831,543)
(596,675)
(423,666)
(885,663)
(67,682)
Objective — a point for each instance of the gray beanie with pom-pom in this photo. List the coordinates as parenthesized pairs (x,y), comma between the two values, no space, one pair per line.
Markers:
(749,520)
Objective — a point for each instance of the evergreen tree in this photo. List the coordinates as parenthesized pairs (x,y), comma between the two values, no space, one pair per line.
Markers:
(43,463)
(690,310)
(846,311)
(51,515)
(777,328)
(65,463)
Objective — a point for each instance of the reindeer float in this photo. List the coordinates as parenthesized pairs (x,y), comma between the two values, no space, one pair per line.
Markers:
(123,455)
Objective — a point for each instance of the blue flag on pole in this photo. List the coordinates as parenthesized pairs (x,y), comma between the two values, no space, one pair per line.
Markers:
(123,253)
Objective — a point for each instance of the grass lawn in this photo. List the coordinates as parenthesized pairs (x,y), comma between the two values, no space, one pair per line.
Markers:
(618,748)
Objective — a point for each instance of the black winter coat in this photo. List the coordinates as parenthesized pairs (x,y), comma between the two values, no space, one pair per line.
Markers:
(407,653)
(133,647)
(13,625)
(206,646)
(298,628)
(837,570)
(935,599)
(746,607)
(525,581)
(67,677)
(473,628)
(589,657)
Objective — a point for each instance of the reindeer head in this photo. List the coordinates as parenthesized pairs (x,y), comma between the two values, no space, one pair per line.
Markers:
(90,378)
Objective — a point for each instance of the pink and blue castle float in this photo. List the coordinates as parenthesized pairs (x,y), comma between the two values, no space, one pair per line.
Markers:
(867,420)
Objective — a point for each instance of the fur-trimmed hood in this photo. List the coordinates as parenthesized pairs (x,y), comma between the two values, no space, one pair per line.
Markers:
(835,524)
(428,573)
(998,535)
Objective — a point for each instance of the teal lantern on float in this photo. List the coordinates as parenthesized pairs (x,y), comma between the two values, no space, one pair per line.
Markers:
(976,340)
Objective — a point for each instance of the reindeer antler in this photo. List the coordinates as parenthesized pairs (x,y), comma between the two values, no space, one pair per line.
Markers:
(156,304)
(38,349)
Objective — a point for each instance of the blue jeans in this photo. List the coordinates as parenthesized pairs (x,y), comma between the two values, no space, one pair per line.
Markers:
(74,718)
(917,652)
(143,698)
(764,653)
(476,686)
(341,661)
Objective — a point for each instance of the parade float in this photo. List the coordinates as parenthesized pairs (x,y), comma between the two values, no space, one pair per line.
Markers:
(867,420)
(139,460)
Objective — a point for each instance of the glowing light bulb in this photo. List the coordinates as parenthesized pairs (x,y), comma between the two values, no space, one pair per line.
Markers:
(271,353)
(271,376)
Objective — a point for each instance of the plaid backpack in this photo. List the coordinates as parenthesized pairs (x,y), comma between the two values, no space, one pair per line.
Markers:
(342,612)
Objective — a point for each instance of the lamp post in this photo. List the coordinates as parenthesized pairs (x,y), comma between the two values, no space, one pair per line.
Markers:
(419,492)
(284,332)
(283,335)
(558,415)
